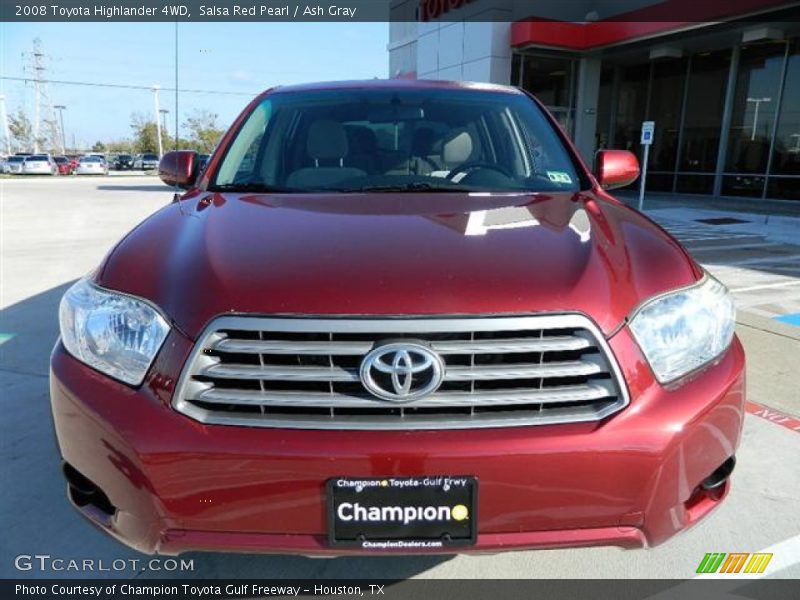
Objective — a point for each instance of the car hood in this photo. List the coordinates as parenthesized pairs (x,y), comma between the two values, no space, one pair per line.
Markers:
(396,254)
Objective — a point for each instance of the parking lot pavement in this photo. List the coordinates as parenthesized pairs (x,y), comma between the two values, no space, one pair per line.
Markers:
(54,231)
(760,263)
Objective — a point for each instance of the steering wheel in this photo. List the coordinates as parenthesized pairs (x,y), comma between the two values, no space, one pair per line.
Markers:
(470,166)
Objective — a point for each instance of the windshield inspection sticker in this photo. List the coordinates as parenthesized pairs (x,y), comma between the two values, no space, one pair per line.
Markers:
(559,177)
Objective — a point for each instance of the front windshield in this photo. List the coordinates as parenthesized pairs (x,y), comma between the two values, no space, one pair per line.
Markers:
(387,140)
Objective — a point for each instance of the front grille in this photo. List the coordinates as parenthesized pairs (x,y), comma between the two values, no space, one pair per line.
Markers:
(304,373)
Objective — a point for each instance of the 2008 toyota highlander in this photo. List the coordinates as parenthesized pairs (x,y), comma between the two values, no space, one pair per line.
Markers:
(396,316)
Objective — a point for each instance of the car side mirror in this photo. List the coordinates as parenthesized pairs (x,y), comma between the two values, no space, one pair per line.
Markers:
(178,168)
(615,168)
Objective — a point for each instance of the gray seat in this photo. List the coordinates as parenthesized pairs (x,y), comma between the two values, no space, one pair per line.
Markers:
(362,148)
(458,148)
(327,146)
(425,151)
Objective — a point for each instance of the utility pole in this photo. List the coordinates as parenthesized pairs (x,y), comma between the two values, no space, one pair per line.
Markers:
(38,68)
(61,108)
(156,88)
(4,117)
(44,122)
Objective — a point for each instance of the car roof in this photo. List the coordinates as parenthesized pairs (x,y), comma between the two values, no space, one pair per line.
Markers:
(394,84)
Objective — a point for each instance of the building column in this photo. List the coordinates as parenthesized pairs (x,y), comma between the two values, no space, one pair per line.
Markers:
(587,96)
(727,115)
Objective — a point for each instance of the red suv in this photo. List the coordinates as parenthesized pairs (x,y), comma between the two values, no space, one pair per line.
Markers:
(396,316)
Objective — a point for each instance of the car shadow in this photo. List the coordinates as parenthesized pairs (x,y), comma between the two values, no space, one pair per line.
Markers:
(36,504)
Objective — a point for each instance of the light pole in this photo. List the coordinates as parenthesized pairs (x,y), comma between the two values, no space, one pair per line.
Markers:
(164,112)
(61,108)
(155,89)
(757,102)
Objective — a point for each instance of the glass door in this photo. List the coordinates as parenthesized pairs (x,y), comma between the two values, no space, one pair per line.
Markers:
(552,81)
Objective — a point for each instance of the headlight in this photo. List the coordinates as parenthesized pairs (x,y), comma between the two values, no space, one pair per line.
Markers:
(116,334)
(683,330)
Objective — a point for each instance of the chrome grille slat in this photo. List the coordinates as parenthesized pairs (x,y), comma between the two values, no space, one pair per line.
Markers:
(370,423)
(290,347)
(287,373)
(522,371)
(319,400)
(332,348)
(512,346)
(304,373)
(482,373)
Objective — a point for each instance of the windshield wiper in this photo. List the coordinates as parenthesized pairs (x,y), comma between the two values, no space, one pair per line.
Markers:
(418,186)
(253,186)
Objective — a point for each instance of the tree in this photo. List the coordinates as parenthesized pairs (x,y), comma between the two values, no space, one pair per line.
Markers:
(145,134)
(21,130)
(120,146)
(99,147)
(204,130)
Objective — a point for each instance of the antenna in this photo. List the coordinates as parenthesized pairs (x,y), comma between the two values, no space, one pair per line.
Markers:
(177,90)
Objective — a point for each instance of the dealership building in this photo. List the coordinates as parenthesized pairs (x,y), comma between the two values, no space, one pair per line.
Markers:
(722,85)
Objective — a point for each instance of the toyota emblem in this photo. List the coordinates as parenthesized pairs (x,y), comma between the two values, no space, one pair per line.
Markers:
(402,371)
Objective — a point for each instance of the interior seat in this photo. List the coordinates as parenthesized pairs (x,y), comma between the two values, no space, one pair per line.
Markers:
(327,146)
(458,148)
(425,152)
(363,147)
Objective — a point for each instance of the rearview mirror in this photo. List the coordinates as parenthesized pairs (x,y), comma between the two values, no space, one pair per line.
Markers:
(615,168)
(178,168)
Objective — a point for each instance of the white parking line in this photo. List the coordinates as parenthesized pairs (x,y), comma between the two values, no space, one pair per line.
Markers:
(740,246)
(757,261)
(766,286)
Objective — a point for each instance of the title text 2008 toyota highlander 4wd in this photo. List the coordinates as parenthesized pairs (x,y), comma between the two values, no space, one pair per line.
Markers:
(396,316)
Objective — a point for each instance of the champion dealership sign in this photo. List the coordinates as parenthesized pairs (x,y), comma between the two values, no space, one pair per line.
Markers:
(433,9)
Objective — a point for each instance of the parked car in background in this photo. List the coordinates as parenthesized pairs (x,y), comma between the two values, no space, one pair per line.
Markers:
(111,160)
(146,162)
(64,165)
(39,164)
(73,160)
(92,165)
(397,316)
(123,162)
(14,164)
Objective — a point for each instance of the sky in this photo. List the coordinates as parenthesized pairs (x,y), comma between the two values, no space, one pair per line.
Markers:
(244,58)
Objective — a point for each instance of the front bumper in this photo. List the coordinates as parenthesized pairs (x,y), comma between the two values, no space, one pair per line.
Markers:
(177,485)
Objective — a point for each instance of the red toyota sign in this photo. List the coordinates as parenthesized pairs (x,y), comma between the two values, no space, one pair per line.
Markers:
(433,9)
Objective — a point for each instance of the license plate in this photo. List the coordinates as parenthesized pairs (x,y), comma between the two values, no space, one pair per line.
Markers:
(402,512)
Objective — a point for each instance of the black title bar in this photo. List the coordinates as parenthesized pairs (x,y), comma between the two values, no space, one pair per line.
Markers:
(207,589)
(574,11)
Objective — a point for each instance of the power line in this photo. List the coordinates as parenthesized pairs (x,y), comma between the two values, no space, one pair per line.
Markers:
(124,86)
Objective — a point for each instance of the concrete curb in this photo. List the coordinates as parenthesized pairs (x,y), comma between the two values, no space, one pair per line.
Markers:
(773,326)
